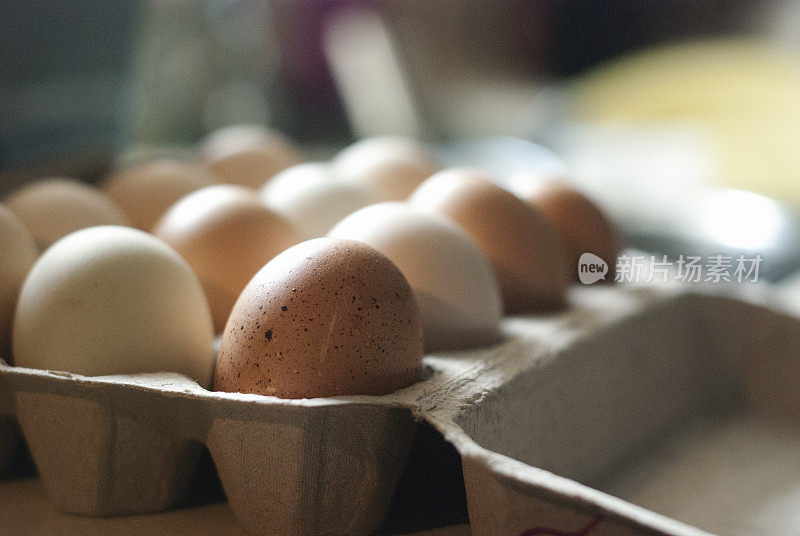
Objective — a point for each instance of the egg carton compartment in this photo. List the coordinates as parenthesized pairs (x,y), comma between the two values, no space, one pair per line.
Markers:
(569,397)
(125,445)
(680,420)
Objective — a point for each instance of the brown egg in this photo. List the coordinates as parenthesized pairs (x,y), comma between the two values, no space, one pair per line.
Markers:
(582,225)
(388,167)
(248,155)
(226,234)
(521,245)
(52,208)
(18,252)
(145,192)
(327,317)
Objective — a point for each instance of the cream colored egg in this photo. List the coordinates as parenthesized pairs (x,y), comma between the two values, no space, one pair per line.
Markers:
(17,254)
(454,285)
(146,191)
(297,177)
(248,155)
(113,300)
(389,167)
(311,198)
(53,208)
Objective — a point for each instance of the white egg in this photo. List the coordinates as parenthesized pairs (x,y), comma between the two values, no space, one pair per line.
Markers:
(457,293)
(247,154)
(390,167)
(17,254)
(232,136)
(310,197)
(113,300)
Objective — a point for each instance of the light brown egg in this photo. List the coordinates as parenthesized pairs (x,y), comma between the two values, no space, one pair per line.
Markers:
(226,234)
(52,208)
(18,252)
(521,245)
(389,167)
(327,317)
(145,192)
(248,155)
(582,225)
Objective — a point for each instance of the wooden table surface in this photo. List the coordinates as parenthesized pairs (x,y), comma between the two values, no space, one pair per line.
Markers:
(26,511)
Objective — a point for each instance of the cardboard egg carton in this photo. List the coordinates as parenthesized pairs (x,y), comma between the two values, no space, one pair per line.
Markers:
(626,389)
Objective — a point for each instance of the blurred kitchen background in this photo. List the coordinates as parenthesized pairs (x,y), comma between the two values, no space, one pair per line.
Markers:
(680,117)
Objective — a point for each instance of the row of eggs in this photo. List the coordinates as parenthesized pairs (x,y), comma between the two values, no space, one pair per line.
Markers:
(412,256)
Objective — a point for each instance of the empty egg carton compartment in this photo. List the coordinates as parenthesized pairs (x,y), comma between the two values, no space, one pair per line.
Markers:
(680,420)
(628,391)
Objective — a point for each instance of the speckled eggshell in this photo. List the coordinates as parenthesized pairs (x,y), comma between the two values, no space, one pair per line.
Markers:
(226,234)
(523,248)
(113,300)
(456,290)
(248,155)
(389,167)
(52,208)
(327,317)
(145,192)
(17,254)
(311,198)
(582,225)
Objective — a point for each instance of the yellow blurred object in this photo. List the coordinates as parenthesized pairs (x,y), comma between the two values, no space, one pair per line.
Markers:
(743,95)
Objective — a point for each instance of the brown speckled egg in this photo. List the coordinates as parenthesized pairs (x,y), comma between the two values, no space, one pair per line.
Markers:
(248,155)
(582,225)
(522,247)
(326,317)
(52,208)
(146,191)
(389,167)
(226,234)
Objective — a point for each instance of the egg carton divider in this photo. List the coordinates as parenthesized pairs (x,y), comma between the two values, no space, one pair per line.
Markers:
(564,398)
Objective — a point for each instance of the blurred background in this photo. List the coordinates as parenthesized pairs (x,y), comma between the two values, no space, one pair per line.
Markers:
(679,117)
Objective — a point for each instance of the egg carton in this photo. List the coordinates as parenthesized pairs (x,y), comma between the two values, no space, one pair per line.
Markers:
(566,405)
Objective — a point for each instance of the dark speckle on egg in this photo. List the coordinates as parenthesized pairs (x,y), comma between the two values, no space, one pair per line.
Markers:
(355,330)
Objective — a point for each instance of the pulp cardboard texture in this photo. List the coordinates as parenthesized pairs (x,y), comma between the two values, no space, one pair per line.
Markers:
(631,390)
